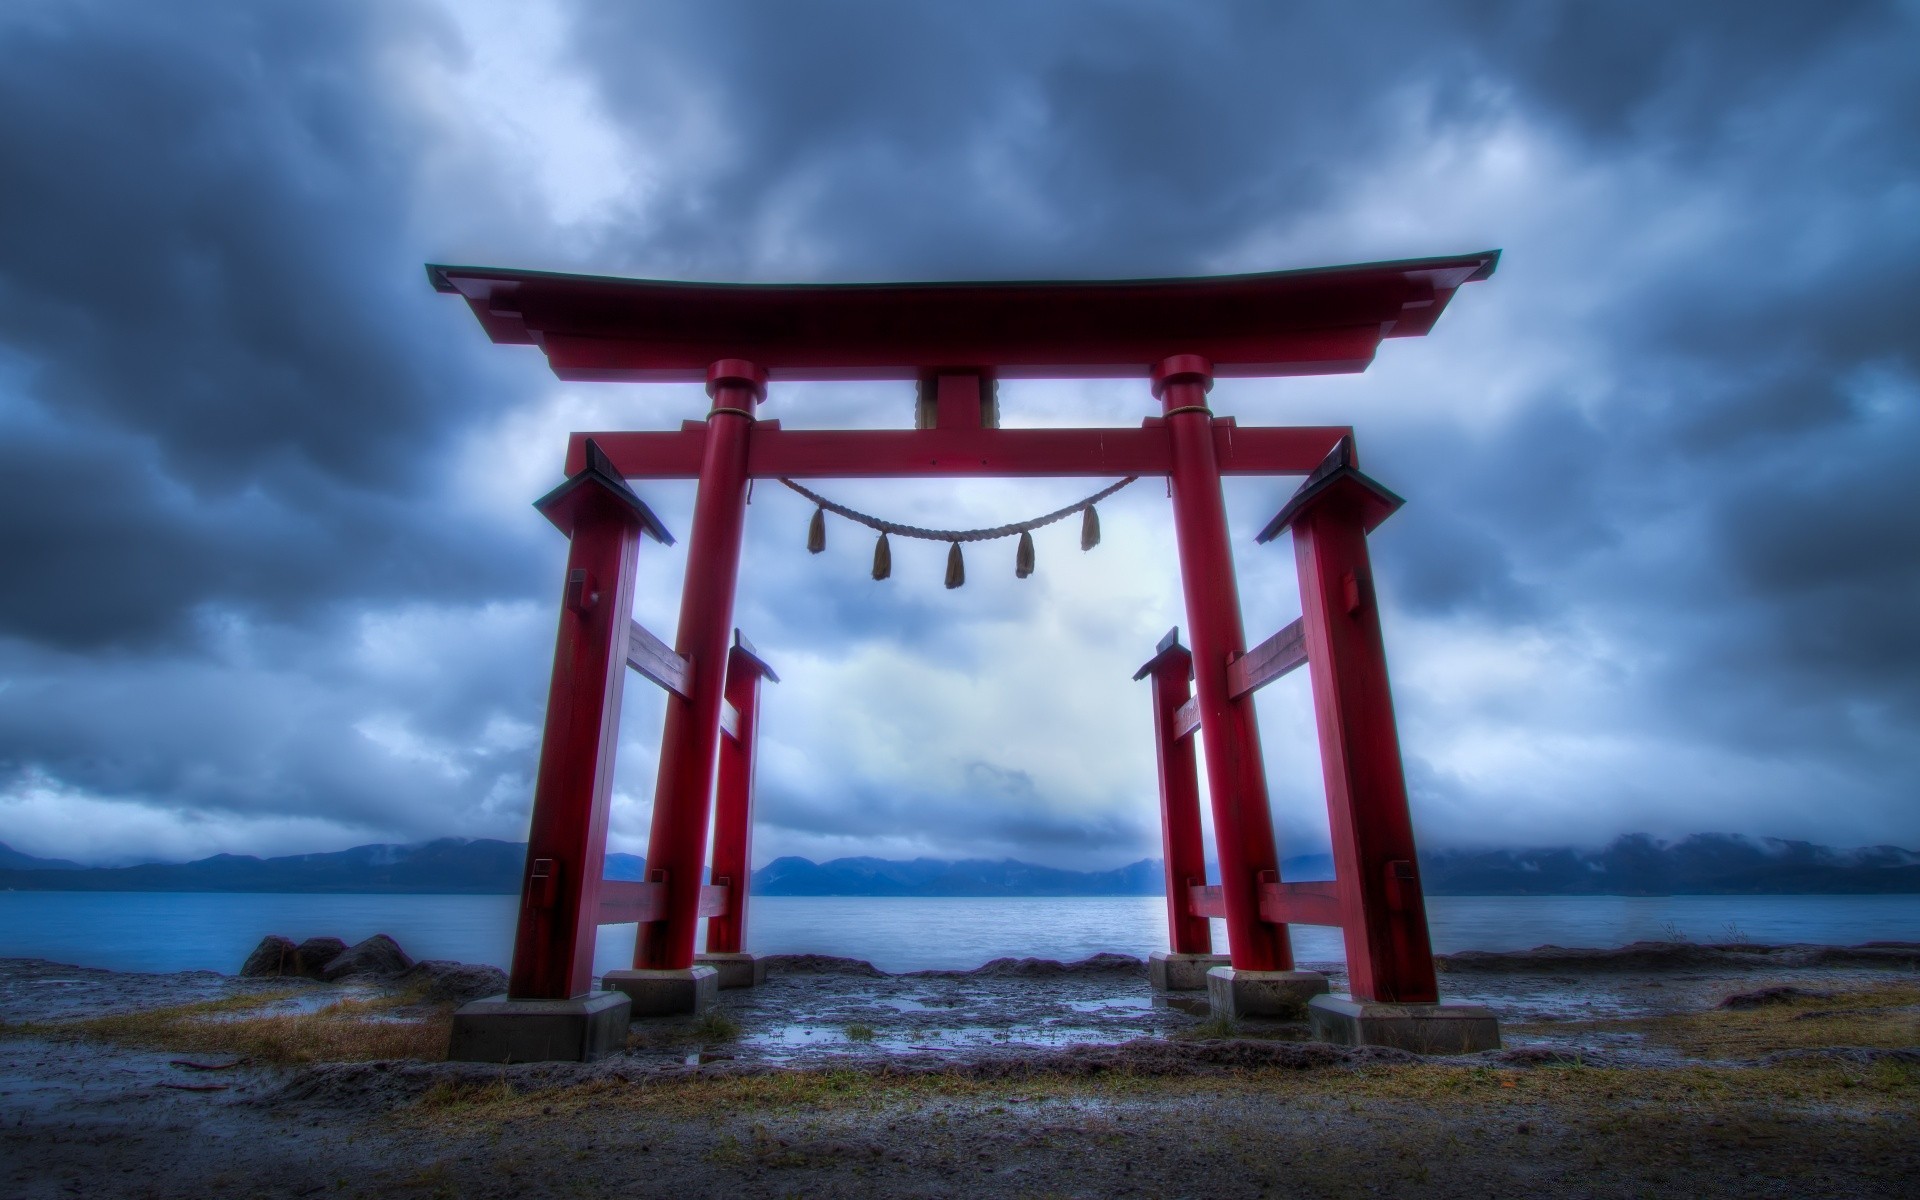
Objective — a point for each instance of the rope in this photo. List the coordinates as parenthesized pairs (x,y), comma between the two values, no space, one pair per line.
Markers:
(956,535)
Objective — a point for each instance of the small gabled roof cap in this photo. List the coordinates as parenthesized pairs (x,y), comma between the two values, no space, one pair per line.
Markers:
(1168,645)
(745,648)
(598,483)
(1335,474)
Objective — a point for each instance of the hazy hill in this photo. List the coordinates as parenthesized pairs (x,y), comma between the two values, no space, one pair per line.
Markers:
(1704,864)
(13,859)
(936,877)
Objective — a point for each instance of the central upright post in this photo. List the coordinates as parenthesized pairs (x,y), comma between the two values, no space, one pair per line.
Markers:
(664,978)
(1236,775)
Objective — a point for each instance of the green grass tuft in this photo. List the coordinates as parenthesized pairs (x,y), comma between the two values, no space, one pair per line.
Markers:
(1215,1027)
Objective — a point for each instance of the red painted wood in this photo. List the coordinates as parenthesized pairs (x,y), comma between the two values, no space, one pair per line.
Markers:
(1186,718)
(566,843)
(1313,903)
(1268,661)
(1206,900)
(733,802)
(1290,322)
(1300,322)
(1236,778)
(624,902)
(1316,902)
(677,840)
(1389,955)
(930,453)
(1183,848)
(957,401)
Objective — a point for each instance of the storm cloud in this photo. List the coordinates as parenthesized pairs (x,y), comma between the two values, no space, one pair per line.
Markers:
(271,583)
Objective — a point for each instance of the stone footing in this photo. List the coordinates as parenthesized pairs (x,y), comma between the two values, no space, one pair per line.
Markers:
(1170,972)
(500,1030)
(736,970)
(1281,995)
(670,993)
(1421,1028)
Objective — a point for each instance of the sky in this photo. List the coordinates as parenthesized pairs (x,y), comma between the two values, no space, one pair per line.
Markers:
(270,581)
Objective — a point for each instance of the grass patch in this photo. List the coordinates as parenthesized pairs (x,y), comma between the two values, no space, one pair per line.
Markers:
(1881,1018)
(1213,1028)
(345,1031)
(1590,1094)
(838,1090)
(859,1033)
(456,1097)
(709,1027)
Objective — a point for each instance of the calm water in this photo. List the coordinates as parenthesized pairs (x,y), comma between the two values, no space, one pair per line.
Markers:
(178,931)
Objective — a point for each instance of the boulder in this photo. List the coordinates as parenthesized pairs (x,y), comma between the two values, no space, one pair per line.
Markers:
(1766,996)
(442,981)
(310,958)
(379,957)
(274,956)
(819,964)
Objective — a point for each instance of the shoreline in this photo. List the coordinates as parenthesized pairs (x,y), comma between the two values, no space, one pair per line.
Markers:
(179,931)
(1015,1078)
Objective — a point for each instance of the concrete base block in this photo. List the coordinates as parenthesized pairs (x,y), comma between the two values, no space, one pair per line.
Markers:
(500,1030)
(666,993)
(1421,1028)
(736,970)
(1170,972)
(1281,995)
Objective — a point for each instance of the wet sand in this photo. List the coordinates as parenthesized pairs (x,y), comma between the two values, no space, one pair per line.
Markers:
(1022,1078)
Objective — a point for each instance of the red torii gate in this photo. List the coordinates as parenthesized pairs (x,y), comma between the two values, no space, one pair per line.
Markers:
(955,340)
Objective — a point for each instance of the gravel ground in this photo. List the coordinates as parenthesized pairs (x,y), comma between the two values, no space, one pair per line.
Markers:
(1022,1078)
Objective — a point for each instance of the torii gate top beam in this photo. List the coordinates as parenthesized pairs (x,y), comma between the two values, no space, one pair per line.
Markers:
(1321,321)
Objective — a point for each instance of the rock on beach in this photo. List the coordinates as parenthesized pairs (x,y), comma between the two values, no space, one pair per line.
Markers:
(379,957)
(443,981)
(273,956)
(312,956)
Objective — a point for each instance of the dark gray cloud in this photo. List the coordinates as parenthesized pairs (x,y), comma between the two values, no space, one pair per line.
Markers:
(228,385)
(1661,467)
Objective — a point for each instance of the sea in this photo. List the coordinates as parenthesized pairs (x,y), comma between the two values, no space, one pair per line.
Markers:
(188,931)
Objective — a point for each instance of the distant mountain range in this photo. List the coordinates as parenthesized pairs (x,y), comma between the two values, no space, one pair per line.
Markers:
(1704,864)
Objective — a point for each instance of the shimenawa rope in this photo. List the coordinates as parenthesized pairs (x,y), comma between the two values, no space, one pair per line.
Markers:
(956,567)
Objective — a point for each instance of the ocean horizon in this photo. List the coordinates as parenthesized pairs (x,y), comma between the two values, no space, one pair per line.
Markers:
(187,931)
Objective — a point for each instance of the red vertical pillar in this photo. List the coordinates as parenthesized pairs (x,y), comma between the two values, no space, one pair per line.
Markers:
(733,799)
(1389,956)
(1236,777)
(567,841)
(1182,847)
(677,840)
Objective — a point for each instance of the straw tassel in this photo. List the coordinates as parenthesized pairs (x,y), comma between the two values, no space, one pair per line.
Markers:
(1023,557)
(882,558)
(817,532)
(1089,528)
(956,567)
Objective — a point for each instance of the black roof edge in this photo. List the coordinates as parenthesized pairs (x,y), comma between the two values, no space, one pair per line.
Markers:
(437,276)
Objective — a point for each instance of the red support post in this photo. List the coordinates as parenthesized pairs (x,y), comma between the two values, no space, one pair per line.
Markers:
(677,840)
(1182,846)
(733,800)
(1389,955)
(566,843)
(1236,777)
